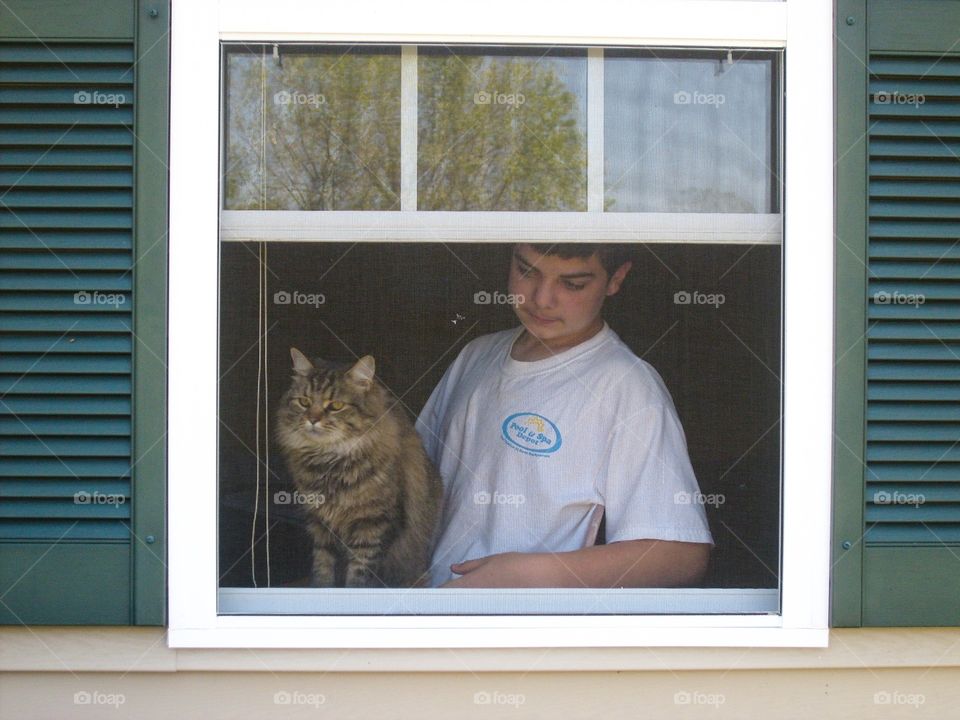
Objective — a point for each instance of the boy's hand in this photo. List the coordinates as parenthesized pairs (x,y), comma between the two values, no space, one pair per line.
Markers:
(501,570)
(628,563)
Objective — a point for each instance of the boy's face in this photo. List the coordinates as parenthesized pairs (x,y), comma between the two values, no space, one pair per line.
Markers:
(562,298)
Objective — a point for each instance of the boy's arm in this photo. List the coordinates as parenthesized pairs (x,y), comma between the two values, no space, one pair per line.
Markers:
(629,563)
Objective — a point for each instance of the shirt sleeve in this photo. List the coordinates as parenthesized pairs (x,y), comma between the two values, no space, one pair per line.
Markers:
(650,490)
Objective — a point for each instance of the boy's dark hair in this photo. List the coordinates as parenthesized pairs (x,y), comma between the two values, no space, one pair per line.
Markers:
(611,255)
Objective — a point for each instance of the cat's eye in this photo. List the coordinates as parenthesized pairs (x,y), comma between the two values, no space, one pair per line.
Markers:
(304,402)
(334,405)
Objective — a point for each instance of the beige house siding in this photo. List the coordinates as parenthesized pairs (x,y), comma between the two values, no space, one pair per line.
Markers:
(124,672)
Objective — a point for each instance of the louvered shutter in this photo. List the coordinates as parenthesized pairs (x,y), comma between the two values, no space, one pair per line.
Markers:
(69,145)
(913,337)
(913,390)
(898,551)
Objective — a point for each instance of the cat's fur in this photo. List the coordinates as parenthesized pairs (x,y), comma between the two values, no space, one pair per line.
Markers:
(372,496)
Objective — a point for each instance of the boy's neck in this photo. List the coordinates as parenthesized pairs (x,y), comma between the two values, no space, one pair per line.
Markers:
(528,348)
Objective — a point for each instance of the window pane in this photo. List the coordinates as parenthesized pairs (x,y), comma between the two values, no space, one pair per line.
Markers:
(312,128)
(502,129)
(707,317)
(689,134)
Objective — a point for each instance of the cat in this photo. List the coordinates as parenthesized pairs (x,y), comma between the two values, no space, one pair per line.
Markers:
(371,494)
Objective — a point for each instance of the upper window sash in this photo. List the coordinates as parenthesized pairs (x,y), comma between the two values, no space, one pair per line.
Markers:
(595,223)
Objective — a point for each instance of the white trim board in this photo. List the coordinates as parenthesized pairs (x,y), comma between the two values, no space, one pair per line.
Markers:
(705,23)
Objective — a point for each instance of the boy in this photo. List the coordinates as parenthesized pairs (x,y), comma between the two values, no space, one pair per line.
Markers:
(540,430)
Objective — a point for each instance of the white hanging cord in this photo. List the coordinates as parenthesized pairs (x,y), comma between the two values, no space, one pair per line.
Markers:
(262,344)
(264,341)
(256,497)
(261,301)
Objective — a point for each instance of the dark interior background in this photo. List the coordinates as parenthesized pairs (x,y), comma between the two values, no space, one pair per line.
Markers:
(410,305)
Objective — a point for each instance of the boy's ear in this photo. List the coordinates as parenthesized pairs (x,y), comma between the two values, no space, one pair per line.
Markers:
(616,280)
(301,365)
(362,372)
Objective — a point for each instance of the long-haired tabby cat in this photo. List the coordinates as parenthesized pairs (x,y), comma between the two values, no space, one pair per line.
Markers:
(371,495)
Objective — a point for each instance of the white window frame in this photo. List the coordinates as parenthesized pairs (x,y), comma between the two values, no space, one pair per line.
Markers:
(803,27)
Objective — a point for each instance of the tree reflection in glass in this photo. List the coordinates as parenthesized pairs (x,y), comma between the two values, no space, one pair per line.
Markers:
(501,129)
(313,129)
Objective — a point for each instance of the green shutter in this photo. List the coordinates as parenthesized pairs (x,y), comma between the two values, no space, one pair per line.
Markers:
(913,341)
(907,550)
(74,545)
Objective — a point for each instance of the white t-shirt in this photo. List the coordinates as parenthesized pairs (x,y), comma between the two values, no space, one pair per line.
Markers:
(533,453)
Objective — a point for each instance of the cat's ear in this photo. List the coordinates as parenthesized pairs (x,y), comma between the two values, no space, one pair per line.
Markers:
(362,371)
(301,365)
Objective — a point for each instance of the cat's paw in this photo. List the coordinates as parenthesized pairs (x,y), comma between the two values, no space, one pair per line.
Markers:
(323,572)
(362,577)
(323,578)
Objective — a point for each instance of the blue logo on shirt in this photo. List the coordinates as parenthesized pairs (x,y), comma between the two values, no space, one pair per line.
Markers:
(531,433)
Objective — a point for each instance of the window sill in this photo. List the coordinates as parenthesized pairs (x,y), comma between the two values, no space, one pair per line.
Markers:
(125,649)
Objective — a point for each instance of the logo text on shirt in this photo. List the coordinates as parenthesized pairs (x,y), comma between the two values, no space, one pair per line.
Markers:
(531,433)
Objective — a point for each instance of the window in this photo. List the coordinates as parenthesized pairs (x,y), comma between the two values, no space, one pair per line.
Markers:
(348,167)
